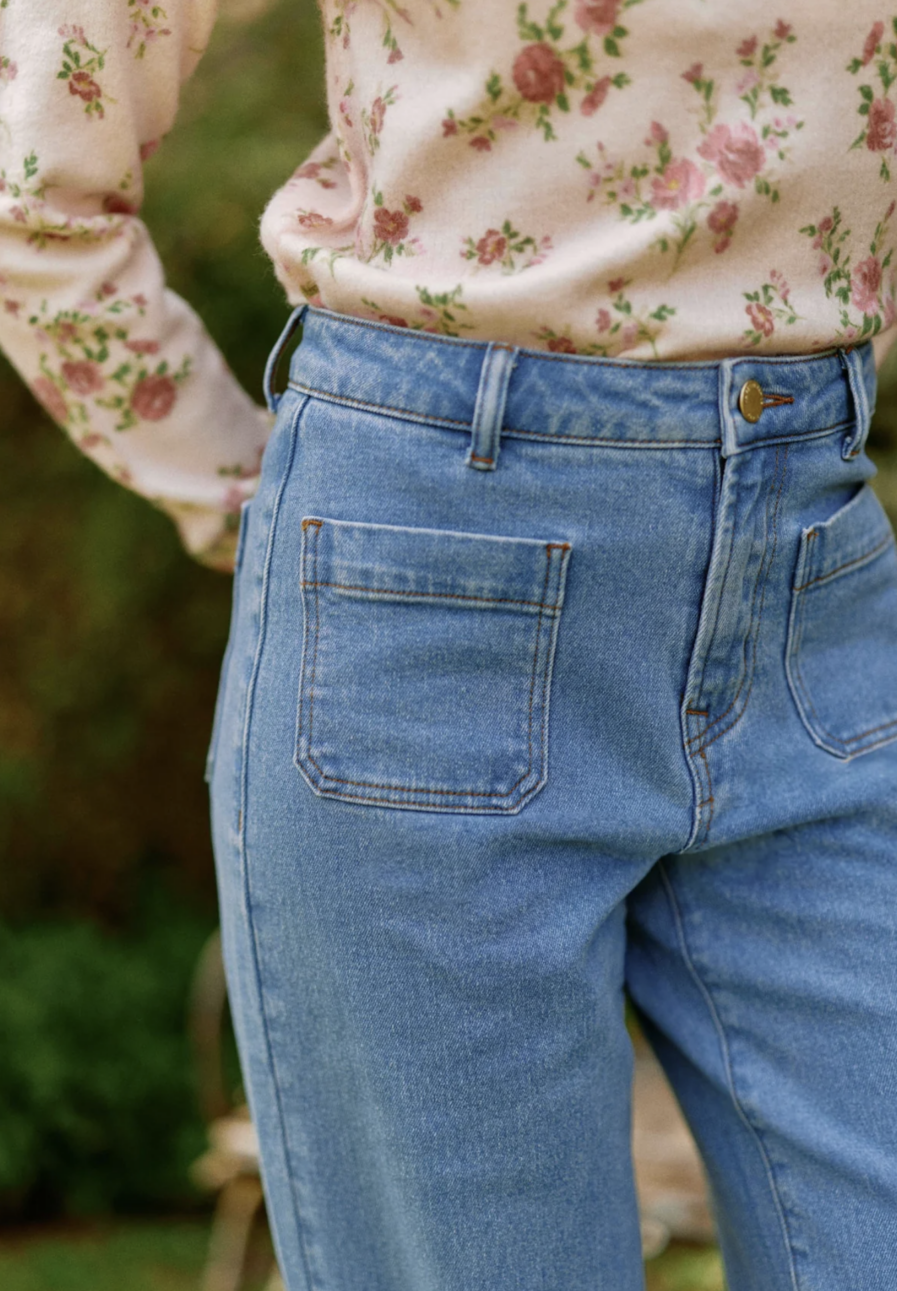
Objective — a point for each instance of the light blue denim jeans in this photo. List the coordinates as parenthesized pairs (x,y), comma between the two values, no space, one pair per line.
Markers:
(552,678)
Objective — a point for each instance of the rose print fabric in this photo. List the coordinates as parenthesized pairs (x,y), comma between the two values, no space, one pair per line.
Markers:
(660,179)
(87,89)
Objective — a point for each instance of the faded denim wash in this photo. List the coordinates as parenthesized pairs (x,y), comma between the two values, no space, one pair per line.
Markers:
(552,677)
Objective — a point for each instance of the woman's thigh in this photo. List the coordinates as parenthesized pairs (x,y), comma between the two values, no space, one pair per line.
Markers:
(766,973)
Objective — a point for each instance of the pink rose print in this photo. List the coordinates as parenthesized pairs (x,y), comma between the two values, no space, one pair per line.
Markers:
(694,73)
(86,88)
(449,127)
(47,393)
(782,30)
(737,153)
(596,96)
(873,40)
(599,17)
(313,220)
(761,318)
(83,376)
(118,204)
(721,221)
(561,345)
(747,48)
(619,326)
(881,133)
(491,247)
(142,347)
(507,248)
(378,115)
(153,397)
(876,106)
(481,143)
(390,226)
(866,285)
(413,204)
(538,73)
(680,183)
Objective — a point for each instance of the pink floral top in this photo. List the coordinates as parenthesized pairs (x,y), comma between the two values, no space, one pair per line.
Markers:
(665,179)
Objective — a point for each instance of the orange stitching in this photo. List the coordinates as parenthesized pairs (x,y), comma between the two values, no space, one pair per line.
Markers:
(835,739)
(821,578)
(751,641)
(756,637)
(776,400)
(709,801)
(613,443)
(453,793)
(427,596)
(475,457)
(307,524)
(314,665)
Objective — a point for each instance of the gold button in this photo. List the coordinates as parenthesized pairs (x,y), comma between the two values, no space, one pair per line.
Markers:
(750,401)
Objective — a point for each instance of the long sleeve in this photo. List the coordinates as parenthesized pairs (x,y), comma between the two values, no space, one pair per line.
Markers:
(87,89)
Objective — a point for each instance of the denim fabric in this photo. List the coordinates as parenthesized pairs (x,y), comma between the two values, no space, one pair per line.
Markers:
(549,678)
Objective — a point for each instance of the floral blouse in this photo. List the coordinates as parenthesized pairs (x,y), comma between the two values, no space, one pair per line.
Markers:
(664,179)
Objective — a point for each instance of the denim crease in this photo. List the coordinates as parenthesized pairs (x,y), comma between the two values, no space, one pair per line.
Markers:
(552,678)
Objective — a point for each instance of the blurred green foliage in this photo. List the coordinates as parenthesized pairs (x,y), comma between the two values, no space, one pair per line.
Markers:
(110,638)
(97,1108)
(130,1256)
(110,645)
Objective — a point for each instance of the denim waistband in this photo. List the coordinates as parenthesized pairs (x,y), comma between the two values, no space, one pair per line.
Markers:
(577,399)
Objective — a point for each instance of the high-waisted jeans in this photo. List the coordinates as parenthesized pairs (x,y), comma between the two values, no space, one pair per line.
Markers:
(552,679)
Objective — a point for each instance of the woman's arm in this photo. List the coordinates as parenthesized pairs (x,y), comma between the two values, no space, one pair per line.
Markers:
(87,90)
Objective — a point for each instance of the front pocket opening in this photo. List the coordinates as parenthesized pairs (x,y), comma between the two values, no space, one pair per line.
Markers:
(842,638)
(426,665)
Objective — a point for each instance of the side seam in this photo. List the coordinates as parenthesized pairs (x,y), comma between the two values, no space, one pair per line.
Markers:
(244,868)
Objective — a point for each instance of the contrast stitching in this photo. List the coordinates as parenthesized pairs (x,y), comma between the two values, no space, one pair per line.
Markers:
(740,1111)
(857,560)
(428,596)
(843,743)
(547,437)
(454,793)
(709,801)
(432,418)
(377,407)
(750,647)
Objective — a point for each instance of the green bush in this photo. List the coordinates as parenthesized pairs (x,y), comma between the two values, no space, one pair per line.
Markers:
(97,1106)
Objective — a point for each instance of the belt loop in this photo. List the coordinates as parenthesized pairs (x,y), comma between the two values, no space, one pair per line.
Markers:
(271,398)
(489,409)
(852,362)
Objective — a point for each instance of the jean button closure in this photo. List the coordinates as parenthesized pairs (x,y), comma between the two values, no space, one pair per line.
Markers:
(750,401)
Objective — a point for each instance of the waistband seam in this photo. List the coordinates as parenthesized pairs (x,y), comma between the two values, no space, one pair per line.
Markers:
(450,423)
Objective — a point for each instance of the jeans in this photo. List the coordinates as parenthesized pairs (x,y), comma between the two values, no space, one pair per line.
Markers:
(552,678)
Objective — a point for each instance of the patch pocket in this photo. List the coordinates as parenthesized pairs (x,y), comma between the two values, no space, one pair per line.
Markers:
(426,665)
(842,636)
